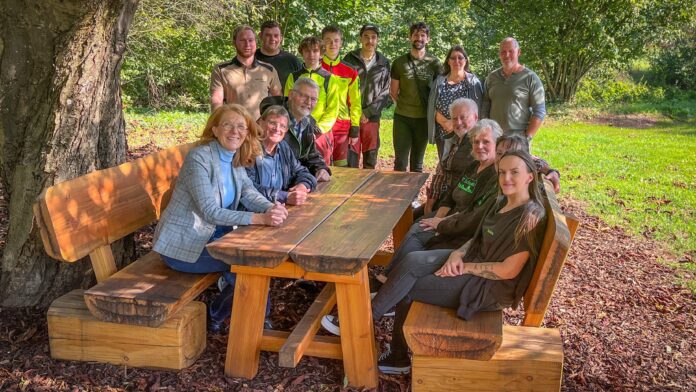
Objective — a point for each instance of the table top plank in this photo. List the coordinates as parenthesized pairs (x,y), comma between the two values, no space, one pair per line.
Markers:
(350,237)
(265,246)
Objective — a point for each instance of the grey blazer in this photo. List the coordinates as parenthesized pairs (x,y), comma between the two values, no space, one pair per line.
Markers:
(195,208)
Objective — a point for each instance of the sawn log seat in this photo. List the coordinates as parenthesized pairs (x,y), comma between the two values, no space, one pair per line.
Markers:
(82,217)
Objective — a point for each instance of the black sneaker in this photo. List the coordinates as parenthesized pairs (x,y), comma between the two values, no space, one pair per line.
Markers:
(330,323)
(390,363)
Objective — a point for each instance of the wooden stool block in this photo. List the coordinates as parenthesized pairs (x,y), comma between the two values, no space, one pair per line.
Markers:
(75,334)
(530,359)
(435,331)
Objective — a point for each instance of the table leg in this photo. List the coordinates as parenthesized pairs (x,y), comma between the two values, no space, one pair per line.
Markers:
(357,332)
(402,227)
(246,326)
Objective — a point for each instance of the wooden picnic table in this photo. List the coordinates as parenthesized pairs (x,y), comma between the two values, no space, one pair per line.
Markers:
(331,238)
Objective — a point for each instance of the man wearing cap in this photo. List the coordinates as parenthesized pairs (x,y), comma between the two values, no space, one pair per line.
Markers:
(347,127)
(284,62)
(373,72)
(243,80)
(411,75)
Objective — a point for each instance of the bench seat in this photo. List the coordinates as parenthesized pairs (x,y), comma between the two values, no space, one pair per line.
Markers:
(437,331)
(74,334)
(146,292)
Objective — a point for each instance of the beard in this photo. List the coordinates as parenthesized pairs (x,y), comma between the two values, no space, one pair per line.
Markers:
(418,45)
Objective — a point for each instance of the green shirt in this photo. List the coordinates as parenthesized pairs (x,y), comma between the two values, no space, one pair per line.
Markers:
(414,76)
(509,101)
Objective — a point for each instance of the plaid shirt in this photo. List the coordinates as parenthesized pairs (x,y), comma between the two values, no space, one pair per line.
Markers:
(456,158)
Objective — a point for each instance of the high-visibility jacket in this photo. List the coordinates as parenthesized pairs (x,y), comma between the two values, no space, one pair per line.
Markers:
(326,110)
(349,106)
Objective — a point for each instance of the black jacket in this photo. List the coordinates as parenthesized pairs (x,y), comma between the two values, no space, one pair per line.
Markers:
(374,84)
(305,150)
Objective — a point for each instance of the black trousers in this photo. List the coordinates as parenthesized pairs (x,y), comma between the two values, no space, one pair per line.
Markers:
(410,141)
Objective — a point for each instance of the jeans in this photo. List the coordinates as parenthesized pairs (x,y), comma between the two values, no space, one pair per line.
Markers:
(410,141)
(414,280)
(208,264)
(414,241)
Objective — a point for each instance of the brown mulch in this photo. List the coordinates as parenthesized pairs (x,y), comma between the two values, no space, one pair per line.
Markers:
(635,121)
(625,325)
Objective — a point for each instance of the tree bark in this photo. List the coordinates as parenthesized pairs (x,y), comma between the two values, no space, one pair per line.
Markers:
(60,117)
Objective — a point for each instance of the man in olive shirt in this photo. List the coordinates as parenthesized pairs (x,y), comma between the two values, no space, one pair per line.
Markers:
(244,80)
(284,62)
(411,75)
(513,95)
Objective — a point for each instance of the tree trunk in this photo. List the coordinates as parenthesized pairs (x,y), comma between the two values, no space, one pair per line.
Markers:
(61,117)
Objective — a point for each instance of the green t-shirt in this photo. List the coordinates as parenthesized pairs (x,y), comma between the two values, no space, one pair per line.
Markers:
(509,100)
(414,76)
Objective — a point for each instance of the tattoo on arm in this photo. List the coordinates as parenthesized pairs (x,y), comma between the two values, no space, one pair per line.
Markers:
(484,270)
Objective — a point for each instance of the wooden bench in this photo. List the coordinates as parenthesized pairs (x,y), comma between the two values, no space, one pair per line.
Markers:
(142,315)
(450,354)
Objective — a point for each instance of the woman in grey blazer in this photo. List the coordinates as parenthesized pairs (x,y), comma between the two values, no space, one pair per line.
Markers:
(205,205)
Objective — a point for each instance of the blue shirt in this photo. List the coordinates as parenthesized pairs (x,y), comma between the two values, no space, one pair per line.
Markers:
(298,127)
(228,188)
(272,174)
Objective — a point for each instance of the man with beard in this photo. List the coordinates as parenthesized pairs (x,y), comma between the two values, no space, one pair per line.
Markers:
(411,75)
(513,95)
(373,71)
(302,129)
(284,62)
(244,80)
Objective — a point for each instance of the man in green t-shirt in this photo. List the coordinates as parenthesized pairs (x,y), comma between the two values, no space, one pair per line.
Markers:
(513,95)
(411,75)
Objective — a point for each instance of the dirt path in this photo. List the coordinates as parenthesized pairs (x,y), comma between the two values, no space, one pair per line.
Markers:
(624,322)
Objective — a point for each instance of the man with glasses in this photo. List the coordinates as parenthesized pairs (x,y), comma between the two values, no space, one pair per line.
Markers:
(411,75)
(373,72)
(302,128)
(326,109)
(513,95)
(244,80)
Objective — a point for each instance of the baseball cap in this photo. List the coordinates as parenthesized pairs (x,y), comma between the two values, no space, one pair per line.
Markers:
(369,27)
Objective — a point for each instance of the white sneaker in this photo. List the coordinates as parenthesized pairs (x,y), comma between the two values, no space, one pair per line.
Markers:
(330,323)
(222,283)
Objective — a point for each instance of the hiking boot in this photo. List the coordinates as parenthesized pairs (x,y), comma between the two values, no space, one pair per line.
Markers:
(330,323)
(391,363)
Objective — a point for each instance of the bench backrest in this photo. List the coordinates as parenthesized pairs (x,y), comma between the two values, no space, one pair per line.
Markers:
(560,229)
(85,215)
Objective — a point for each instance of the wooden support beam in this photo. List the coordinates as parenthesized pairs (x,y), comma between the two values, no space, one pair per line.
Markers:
(402,227)
(290,270)
(292,351)
(320,346)
(103,263)
(381,258)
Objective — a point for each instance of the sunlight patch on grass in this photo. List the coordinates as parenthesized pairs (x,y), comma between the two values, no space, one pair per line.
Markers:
(639,179)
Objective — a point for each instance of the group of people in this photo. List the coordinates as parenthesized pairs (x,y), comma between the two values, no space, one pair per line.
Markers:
(278,124)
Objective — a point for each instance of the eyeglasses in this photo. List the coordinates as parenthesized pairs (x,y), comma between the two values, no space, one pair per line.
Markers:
(241,128)
(457,58)
(305,97)
(278,125)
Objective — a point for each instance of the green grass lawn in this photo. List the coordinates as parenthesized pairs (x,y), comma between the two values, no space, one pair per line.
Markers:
(643,180)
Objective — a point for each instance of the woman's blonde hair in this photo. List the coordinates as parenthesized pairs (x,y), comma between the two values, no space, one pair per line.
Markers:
(250,149)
